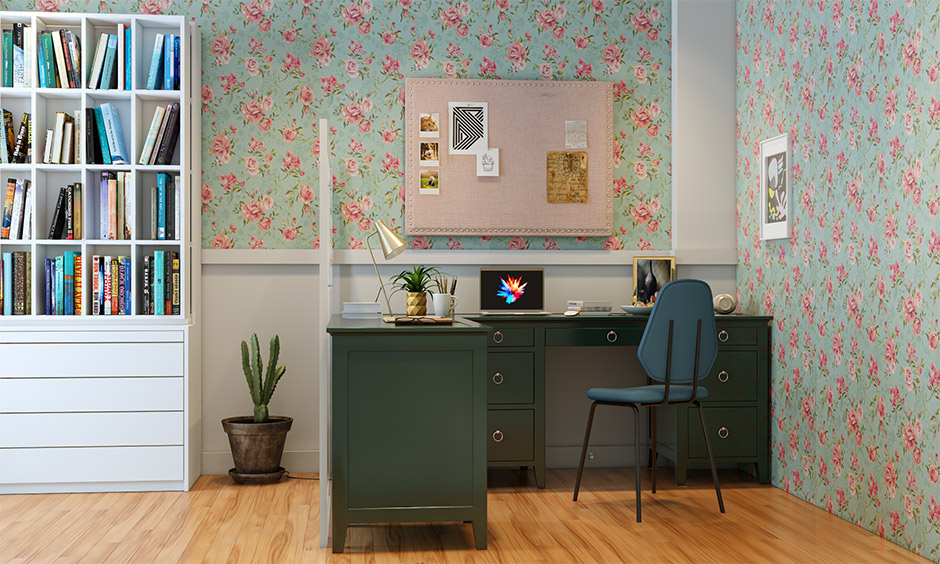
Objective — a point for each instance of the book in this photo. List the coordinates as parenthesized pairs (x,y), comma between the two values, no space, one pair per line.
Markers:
(68,280)
(29,284)
(100,50)
(28,210)
(114,286)
(161,205)
(48,55)
(177,208)
(68,145)
(102,137)
(7,283)
(19,283)
(47,151)
(16,221)
(128,83)
(41,62)
(70,76)
(106,284)
(108,76)
(6,144)
(158,288)
(8,209)
(170,211)
(160,135)
(153,213)
(77,211)
(155,75)
(75,53)
(175,299)
(169,71)
(69,204)
(20,147)
(57,225)
(122,286)
(168,282)
(78,137)
(119,55)
(112,207)
(128,203)
(145,294)
(115,134)
(119,207)
(96,285)
(28,58)
(151,139)
(92,151)
(9,137)
(8,58)
(77,299)
(58,130)
(176,62)
(171,136)
(59,56)
(128,296)
(48,286)
(19,57)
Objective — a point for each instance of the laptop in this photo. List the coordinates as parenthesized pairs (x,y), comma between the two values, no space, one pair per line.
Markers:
(512,291)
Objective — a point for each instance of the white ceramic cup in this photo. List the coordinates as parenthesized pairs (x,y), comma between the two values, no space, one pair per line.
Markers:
(444,304)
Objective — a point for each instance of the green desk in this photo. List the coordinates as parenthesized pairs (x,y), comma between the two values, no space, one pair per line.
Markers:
(408,424)
(738,384)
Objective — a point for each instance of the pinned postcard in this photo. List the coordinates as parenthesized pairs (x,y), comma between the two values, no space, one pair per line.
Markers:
(430,125)
(429,154)
(575,134)
(567,173)
(488,163)
(468,127)
(430,183)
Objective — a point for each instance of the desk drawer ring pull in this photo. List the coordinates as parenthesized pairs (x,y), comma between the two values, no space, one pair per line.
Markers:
(498,337)
(612,337)
(723,376)
(723,433)
(723,336)
(497,436)
(497,378)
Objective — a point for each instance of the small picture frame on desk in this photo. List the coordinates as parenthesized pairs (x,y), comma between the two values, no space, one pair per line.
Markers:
(649,275)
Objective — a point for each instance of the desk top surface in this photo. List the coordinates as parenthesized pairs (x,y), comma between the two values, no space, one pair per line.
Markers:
(617,317)
(339,326)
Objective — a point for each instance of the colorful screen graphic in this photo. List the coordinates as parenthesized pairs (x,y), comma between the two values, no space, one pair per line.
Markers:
(511,288)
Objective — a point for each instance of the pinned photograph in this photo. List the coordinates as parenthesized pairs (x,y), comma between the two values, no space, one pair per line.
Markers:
(488,163)
(468,127)
(430,182)
(575,134)
(429,153)
(430,125)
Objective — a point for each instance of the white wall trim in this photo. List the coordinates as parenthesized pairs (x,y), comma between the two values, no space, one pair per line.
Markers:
(260,256)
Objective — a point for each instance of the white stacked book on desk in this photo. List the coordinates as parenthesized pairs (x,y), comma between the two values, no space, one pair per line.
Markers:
(589,308)
(362,310)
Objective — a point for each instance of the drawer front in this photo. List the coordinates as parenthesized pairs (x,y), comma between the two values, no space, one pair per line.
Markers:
(511,337)
(733,334)
(65,360)
(21,430)
(732,432)
(593,336)
(510,377)
(62,395)
(510,435)
(90,465)
(733,377)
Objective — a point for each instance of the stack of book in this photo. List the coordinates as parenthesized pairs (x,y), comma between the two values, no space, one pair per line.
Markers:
(162,136)
(116,205)
(111,66)
(58,55)
(64,284)
(67,218)
(16,270)
(161,284)
(111,285)
(16,51)
(17,210)
(15,148)
(362,310)
(588,308)
(104,136)
(164,71)
(167,207)
(63,141)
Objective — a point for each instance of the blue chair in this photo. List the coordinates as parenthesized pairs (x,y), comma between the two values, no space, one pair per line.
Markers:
(678,348)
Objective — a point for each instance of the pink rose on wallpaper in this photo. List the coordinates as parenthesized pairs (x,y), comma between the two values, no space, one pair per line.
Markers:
(252,111)
(583,69)
(640,213)
(450,69)
(581,42)
(322,50)
(221,147)
(365,28)
(598,6)
(641,118)
(207,194)
(289,233)
(546,19)
(207,93)
(291,163)
(486,40)
(421,242)
(252,166)
(252,12)
(365,125)
(352,211)
(503,5)
(352,167)
(517,55)
(389,135)
(151,7)
(221,241)
(517,244)
(545,71)
(306,193)
(558,32)
(641,22)
(365,224)
(252,210)
(639,167)
(352,112)
(420,53)
(252,66)
(639,74)
(611,57)
(652,226)
(221,49)
(450,17)
(264,224)
(352,14)
(612,244)
(388,38)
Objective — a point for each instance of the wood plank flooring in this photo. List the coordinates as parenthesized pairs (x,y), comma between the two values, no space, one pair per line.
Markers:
(220,522)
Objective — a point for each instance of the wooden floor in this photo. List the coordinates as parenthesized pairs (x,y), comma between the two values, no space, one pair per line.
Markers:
(220,522)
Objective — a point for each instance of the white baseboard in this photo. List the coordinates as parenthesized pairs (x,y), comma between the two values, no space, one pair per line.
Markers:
(297,461)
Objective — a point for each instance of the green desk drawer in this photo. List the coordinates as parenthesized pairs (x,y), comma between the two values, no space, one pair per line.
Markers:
(511,337)
(510,377)
(509,434)
(592,336)
(733,377)
(732,432)
(730,334)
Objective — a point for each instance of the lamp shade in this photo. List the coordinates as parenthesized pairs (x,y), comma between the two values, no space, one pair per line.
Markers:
(392,243)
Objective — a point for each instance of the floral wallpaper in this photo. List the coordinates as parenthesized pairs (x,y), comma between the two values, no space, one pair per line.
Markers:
(853,291)
(272,69)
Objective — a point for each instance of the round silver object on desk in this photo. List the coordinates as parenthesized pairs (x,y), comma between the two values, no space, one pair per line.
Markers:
(725,303)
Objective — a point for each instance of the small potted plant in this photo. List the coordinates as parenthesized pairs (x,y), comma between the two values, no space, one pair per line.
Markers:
(417,282)
(258,441)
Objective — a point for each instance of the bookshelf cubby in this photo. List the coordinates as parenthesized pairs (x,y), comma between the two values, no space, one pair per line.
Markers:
(79,423)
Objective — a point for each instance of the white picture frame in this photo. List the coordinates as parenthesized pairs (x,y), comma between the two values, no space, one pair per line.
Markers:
(775,188)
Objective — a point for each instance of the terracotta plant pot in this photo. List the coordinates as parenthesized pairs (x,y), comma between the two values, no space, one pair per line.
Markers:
(417,303)
(257,448)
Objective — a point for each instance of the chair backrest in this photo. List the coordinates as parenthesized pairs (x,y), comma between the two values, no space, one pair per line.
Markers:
(684,302)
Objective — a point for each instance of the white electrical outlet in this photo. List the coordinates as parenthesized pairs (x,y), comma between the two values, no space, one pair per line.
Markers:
(590,455)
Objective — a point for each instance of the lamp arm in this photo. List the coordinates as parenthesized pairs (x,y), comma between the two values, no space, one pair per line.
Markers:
(379,276)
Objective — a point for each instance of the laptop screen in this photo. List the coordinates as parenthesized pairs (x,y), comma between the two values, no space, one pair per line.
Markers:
(511,289)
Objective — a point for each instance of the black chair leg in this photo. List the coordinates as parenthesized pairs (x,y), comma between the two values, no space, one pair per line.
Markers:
(636,439)
(711,458)
(587,436)
(653,445)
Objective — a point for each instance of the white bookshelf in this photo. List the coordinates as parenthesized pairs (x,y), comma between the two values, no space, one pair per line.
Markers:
(71,386)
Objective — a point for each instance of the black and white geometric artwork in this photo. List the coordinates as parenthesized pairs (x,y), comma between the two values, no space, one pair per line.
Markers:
(468,127)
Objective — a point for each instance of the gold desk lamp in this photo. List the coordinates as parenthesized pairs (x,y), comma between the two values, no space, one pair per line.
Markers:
(392,246)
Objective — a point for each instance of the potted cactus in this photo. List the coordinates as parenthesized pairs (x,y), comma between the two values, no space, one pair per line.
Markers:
(258,441)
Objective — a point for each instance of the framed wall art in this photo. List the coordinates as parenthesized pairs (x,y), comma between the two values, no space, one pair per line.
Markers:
(649,275)
(775,187)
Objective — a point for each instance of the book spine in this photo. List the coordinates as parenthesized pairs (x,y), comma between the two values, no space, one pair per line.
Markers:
(67,54)
(78,124)
(48,287)
(152,282)
(62,75)
(16,221)
(8,58)
(47,150)
(10,136)
(59,285)
(115,307)
(29,283)
(154,76)
(6,146)
(170,208)
(153,213)
(20,148)
(175,302)
(102,137)
(69,206)
(41,62)
(151,139)
(68,279)
(75,48)
(128,295)
(7,283)
(112,123)
(48,54)
(28,58)
(112,208)
(58,130)
(8,209)
(176,62)
(28,197)
(164,125)
(19,283)
(158,290)
(146,289)
(122,286)
(178,208)
(95,75)
(128,85)
(19,60)
(168,79)
(103,207)
(168,142)
(106,286)
(92,152)
(168,283)
(107,73)
(58,216)
(120,56)
(77,300)
(119,207)
(96,285)
(161,205)
(77,211)
(128,203)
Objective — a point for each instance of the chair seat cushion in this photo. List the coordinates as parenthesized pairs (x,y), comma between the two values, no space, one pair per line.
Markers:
(645,394)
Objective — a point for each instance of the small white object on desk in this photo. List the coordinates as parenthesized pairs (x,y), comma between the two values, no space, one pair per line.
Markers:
(362,310)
